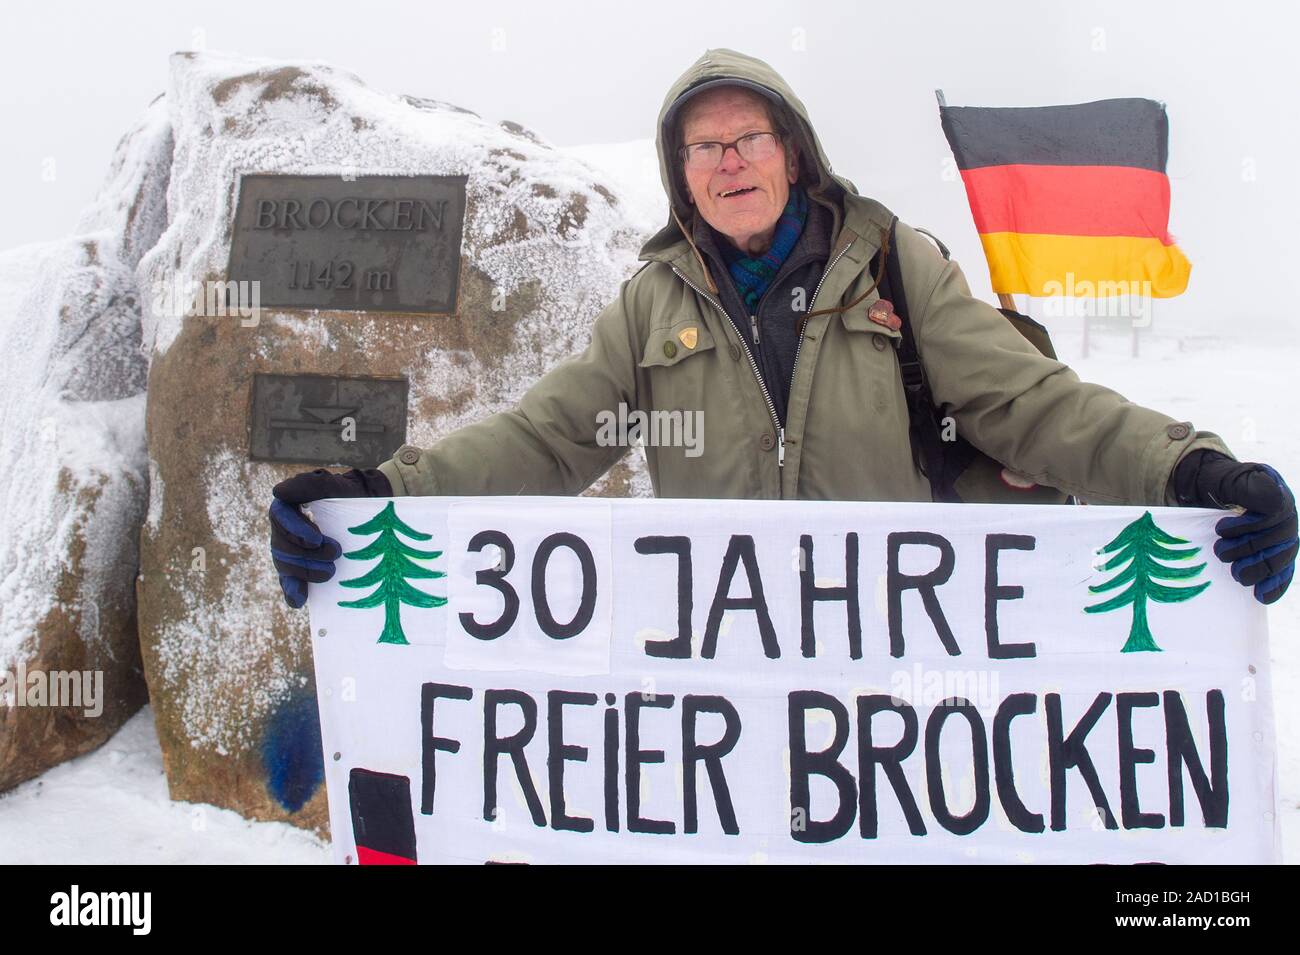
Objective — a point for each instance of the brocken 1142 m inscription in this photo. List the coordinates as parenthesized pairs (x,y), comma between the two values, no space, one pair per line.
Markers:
(382,243)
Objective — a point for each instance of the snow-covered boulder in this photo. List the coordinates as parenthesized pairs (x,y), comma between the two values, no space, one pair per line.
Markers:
(545,246)
(73,486)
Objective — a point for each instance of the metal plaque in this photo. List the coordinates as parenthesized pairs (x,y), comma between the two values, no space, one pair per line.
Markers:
(321,419)
(383,243)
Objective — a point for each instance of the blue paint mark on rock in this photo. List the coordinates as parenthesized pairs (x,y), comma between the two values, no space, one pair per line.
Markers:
(291,752)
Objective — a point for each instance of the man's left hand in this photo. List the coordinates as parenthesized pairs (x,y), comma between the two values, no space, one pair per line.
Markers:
(1260,544)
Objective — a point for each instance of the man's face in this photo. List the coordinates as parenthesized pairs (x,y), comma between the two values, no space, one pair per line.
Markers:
(749,217)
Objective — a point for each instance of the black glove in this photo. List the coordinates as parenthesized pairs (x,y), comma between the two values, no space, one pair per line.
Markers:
(300,552)
(1260,544)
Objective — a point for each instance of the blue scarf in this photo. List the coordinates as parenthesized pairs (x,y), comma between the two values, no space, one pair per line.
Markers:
(753,275)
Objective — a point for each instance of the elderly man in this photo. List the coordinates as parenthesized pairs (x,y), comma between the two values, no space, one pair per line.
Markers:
(755,309)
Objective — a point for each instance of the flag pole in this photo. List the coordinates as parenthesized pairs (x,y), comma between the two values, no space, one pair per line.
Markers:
(1004,299)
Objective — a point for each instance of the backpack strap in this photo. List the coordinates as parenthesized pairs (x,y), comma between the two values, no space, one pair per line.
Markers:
(942,462)
(933,456)
(943,249)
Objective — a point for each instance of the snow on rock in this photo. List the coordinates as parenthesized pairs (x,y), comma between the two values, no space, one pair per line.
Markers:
(546,244)
(72,437)
(633,169)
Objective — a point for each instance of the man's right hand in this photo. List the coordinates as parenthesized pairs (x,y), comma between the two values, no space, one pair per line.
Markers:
(300,552)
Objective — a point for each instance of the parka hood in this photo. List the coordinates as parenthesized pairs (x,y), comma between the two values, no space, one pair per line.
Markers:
(721,64)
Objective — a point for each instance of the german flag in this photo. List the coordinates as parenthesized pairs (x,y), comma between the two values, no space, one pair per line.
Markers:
(1071,199)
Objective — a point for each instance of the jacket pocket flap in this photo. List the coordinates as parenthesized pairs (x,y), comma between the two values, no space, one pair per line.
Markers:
(669,345)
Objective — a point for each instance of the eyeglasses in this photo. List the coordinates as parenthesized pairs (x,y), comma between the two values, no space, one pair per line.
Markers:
(752,147)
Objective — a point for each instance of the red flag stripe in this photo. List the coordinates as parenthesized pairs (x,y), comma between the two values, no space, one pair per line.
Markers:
(1070,200)
(367,856)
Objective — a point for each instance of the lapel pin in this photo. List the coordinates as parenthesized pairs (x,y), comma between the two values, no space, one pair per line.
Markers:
(882,313)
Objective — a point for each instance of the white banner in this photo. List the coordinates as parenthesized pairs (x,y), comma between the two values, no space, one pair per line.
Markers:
(584,680)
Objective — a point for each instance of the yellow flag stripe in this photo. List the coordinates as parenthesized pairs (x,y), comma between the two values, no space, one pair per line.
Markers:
(1084,266)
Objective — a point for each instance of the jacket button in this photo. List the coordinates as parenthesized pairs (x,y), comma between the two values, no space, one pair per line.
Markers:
(766,442)
(735,352)
(408,455)
(1178,431)
(878,341)
(670,349)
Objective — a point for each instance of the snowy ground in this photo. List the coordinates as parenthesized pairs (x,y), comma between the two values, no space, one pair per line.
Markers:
(112,805)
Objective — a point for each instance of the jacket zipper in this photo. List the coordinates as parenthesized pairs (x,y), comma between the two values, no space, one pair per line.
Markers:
(799,344)
(767,396)
(753,320)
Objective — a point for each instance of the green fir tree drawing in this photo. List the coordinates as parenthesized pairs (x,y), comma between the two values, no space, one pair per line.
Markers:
(399,562)
(1143,546)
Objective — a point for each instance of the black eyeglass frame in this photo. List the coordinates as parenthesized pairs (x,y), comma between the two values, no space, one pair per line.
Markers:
(684,154)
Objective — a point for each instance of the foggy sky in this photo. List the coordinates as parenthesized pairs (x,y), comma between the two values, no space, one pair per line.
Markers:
(76,75)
